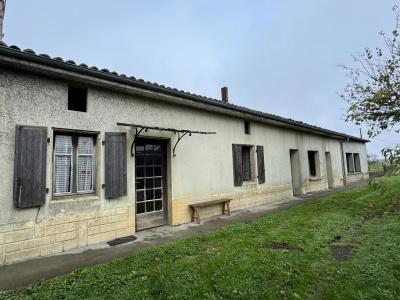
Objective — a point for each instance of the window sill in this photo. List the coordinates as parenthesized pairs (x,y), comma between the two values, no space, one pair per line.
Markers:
(315,179)
(75,197)
(354,173)
(248,183)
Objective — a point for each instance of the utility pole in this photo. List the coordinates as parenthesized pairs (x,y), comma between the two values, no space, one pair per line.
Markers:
(360,133)
(2,12)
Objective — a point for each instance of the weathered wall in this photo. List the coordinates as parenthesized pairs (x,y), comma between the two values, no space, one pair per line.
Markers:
(201,170)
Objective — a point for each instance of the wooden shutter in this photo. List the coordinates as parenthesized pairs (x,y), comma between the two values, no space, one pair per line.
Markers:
(115,165)
(350,162)
(357,165)
(30,166)
(237,164)
(260,164)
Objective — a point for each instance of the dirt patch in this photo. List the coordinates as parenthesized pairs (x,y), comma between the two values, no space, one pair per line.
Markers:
(341,253)
(284,246)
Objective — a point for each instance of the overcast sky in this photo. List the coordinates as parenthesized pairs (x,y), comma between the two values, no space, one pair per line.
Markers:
(277,56)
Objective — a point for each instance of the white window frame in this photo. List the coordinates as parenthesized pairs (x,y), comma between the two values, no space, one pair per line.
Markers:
(73,167)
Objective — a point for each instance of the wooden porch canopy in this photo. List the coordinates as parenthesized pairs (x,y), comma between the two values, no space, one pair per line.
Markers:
(181,133)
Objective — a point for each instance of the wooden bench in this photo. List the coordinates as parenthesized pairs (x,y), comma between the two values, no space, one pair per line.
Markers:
(197,206)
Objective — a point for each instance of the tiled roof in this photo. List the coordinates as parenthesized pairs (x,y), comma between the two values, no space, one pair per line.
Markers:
(29,54)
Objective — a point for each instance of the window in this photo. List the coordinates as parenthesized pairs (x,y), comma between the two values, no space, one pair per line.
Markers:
(353,162)
(246,165)
(243,164)
(247,127)
(313,163)
(74,163)
(77,98)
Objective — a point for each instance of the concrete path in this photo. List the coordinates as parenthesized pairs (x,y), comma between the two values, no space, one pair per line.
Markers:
(25,273)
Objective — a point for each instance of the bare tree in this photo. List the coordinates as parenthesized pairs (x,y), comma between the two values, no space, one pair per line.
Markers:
(373,90)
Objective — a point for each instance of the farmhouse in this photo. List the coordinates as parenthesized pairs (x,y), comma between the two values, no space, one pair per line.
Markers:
(90,155)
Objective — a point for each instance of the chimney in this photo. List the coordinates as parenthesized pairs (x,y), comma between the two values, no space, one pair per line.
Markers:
(224,94)
(2,11)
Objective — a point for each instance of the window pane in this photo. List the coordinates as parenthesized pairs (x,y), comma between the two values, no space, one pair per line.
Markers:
(63,174)
(85,145)
(157,171)
(139,160)
(140,196)
(157,194)
(139,172)
(157,160)
(139,149)
(149,160)
(157,182)
(85,164)
(149,183)
(149,171)
(158,205)
(139,184)
(246,163)
(149,195)
(140,208)
(63,144)
(63,150)
(84,169)
(149,206)
(157,148)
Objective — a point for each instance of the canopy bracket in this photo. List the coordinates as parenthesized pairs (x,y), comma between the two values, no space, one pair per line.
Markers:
(180,136)
(137,133)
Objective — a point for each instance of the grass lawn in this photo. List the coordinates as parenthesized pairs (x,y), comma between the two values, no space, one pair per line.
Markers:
(345,246)
(375,167)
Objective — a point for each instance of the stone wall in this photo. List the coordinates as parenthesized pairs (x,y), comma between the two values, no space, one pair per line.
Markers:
(36,238)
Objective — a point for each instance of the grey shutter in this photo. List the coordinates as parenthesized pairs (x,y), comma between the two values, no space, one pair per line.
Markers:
(115,165)
(357,165)
(237,165)
(350,162)
(260,164)
(30,166)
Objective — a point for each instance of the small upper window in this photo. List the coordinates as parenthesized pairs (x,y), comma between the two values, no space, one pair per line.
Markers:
(247,127)
(77,98)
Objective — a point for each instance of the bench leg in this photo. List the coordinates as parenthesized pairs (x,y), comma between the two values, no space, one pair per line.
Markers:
(226,209)
(195,215)
(198,216)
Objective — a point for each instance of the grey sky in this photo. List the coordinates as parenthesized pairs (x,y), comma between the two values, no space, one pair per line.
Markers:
(281,57)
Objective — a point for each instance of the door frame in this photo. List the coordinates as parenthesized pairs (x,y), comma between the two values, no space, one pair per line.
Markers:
(295,171)
(165,146)
(329,171)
